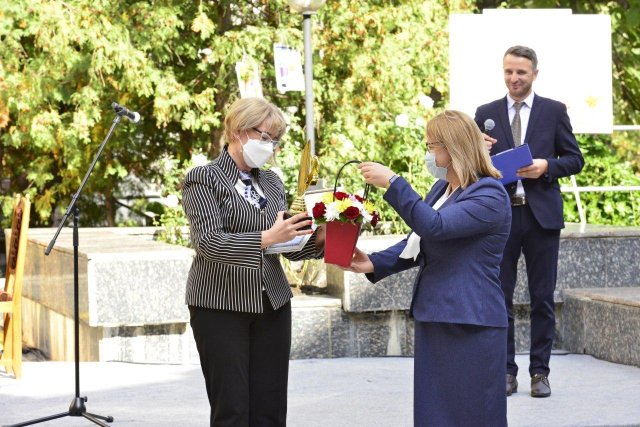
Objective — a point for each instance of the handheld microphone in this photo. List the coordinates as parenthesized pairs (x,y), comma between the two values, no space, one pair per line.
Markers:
(122,111)
(488,126)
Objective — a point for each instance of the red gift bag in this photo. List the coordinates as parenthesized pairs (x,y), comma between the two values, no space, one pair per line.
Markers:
(341,238)
(340,242)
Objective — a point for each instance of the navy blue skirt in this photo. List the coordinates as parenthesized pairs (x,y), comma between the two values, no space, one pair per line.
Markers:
(459,375)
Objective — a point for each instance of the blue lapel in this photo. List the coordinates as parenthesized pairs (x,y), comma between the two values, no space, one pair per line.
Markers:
(452,198)
(537,107)
(436,192)
(503,117)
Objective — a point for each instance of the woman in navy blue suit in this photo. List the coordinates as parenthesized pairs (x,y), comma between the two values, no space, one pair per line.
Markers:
(458,235)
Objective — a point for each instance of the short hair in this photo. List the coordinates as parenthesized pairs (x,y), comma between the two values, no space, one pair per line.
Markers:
(524,52)
(248,113)
(463,140)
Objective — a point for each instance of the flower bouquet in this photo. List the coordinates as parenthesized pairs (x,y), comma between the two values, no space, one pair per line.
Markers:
(344,214)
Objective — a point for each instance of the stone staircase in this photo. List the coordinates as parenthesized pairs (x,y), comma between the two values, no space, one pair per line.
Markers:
(603,322)
(597,303)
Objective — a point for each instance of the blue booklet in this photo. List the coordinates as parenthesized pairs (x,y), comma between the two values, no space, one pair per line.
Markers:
(508,162)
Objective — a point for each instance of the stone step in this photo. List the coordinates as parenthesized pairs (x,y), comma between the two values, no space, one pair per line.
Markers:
(322,329)
(131,307)
(603,322)
(599,256)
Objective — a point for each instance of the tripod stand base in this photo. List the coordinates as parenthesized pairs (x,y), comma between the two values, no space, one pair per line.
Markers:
(76,409)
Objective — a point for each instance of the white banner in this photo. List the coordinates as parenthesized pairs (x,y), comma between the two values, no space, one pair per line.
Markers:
(574,59)
(288,65)
(248,79)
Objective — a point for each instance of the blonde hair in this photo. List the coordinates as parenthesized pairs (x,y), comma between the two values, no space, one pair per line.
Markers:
(463,140)
(249,113)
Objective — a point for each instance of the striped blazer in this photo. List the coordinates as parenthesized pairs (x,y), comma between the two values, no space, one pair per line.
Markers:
(230,269)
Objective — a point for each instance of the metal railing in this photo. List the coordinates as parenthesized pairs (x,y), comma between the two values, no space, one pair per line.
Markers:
(593,189)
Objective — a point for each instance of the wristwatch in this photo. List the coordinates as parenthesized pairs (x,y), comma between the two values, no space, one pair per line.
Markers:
(392,179)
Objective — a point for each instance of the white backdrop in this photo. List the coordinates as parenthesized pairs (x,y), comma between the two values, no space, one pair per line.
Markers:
(574,59)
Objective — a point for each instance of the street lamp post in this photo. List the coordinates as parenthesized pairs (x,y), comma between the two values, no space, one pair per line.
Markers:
(308,8)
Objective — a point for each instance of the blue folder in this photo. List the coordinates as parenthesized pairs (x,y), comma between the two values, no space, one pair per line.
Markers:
(508,162)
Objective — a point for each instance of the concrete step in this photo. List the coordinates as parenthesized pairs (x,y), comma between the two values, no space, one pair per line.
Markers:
(603,322)
(322,329)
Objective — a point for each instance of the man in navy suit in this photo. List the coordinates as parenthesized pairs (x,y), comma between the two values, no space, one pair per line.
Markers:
(523,117)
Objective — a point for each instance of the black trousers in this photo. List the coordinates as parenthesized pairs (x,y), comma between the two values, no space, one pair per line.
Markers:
(540,248)
(245,362)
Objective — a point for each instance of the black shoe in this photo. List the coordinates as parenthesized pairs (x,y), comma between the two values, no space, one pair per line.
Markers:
(540,386)
(512,384)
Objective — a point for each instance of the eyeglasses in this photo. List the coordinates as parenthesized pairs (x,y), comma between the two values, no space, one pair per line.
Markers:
(433,145)
(266,138)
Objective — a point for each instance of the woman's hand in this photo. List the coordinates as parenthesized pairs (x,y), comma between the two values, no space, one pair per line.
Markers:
(360,263)
(284,230)
(376,174)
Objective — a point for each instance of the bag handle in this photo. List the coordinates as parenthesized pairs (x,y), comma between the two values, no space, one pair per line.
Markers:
(335,187)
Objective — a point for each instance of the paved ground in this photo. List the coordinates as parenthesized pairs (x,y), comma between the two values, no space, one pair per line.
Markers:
(336,392)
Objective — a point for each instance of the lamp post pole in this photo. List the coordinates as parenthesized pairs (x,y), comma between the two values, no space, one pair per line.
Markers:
(308,8)
(308,81)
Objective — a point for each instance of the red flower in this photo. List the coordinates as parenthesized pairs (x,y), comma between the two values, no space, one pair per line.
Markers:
(319,209)
(374,220)
(352,212)
(339,195)
(358,198)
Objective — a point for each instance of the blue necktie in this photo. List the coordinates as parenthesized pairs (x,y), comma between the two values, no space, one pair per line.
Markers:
(250,193)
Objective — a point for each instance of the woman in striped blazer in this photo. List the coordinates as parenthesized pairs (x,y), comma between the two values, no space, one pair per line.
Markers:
(238,296)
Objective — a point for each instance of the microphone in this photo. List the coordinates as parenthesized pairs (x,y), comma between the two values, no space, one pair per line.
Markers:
(488,126)
(121,111)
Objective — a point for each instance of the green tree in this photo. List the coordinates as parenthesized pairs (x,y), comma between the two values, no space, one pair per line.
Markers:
(376,64)
(63,63)
(61,66)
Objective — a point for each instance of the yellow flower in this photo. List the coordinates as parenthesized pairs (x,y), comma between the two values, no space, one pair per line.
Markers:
(327,198)
(342,205)
(369,206)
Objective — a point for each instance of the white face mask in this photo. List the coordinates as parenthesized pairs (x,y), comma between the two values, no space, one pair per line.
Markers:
(433,169)
(256,153)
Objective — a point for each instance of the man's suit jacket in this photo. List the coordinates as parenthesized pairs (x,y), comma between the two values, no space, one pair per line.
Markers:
(460,251)
(550,137)
(230,268)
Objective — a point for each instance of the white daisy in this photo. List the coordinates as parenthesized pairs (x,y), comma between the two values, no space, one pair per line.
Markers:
(331,213)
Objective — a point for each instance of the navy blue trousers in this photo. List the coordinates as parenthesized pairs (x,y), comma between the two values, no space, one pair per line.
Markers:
(540,248)
(459,375)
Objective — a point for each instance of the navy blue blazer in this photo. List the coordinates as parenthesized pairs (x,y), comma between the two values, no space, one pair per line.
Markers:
(460,251)
(550,137)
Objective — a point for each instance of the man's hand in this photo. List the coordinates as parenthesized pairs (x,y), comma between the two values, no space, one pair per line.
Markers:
(489,141)
(534,171)
(376,174)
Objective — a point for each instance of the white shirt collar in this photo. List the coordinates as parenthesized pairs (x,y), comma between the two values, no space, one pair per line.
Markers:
(528,101)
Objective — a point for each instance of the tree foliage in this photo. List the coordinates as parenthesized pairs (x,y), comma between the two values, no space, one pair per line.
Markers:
(63,63)
(375,63)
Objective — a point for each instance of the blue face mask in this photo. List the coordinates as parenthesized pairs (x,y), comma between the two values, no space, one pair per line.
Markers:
(433,169)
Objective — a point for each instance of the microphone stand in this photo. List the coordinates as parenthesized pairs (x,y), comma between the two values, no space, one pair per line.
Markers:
(77,407)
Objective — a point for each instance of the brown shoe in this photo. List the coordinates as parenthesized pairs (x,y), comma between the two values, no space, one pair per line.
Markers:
(512,384)
(540,386)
